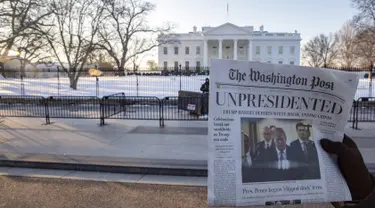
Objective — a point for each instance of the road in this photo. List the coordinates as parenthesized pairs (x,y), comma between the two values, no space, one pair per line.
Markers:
(54,193)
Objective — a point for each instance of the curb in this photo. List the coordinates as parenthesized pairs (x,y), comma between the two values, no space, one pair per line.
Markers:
(106,168)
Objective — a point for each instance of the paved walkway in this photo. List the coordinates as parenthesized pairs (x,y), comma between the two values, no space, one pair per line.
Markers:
(180,143)
(80,192)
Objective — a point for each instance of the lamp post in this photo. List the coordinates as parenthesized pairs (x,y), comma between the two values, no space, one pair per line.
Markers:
(22,86)
(97,83)
(180,76)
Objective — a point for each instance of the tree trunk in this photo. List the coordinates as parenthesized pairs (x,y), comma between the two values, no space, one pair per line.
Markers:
(23,66)
(73,82)
(121,71)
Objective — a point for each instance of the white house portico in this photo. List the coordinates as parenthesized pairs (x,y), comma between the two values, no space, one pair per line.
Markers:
(229,41)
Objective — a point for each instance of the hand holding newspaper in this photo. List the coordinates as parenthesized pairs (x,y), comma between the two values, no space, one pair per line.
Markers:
(265,124)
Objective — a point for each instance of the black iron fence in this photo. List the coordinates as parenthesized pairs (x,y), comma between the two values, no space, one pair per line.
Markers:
(119,106)
(363,111)
(115,106)
(159,83)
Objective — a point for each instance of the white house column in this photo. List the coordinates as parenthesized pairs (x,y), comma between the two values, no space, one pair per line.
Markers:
(250,51)
(220,49)
(205,52)
(235,49)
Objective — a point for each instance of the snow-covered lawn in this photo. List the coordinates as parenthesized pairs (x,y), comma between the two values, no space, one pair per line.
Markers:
(159,86)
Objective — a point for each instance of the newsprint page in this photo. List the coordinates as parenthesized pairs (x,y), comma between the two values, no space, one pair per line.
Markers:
(265,124)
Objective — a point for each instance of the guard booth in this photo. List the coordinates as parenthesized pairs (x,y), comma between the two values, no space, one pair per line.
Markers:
(195,102)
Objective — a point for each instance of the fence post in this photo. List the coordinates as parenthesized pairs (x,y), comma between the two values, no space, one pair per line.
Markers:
(97,86)
(180,76)
(58,80)
(136,77)
(353,112)
(101,109)
(46,111)
(370,83)
(161,112)
(22,86)
(356,116)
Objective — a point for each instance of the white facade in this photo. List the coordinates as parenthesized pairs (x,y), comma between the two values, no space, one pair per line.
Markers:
(229,41)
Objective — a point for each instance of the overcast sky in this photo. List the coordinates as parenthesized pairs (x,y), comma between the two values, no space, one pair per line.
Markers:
(309,17)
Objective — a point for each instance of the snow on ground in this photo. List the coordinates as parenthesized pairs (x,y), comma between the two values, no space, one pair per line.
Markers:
(158,86)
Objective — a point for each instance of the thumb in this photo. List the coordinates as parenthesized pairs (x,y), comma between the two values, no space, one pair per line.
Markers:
(331,147)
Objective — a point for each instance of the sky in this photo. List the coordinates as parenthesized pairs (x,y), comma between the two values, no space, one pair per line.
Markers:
(309,17)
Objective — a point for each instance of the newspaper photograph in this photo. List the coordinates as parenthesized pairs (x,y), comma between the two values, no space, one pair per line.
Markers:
(265,124)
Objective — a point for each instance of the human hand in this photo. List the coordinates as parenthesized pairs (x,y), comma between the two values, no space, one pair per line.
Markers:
(351,165)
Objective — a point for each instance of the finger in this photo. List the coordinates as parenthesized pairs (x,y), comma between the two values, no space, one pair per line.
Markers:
(349,142)
(331,147)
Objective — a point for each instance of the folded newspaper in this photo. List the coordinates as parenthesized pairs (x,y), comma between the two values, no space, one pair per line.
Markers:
(265,124)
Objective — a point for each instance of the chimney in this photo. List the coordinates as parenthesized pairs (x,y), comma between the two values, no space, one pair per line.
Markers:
(261,28)
(195,29)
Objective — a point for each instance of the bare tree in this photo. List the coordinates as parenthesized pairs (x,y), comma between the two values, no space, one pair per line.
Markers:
(135,61)
(366,16)
(347,46)
(126,22)
(73,38)
(365,47)
(19,18)
(365,23)
(32,48)
(321,51)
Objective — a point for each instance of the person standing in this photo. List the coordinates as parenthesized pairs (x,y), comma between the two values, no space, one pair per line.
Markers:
(205,86)
(303,148)
(265,147)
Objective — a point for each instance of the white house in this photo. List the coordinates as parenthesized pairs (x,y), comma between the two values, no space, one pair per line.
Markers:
(229,41)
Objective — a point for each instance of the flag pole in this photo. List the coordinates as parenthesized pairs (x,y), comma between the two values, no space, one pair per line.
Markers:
(227,12)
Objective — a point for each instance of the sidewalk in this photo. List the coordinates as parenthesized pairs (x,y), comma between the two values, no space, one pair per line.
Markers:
(180,145)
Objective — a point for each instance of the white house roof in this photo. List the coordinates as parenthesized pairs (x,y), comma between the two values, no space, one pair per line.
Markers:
(230,30)
(227,29)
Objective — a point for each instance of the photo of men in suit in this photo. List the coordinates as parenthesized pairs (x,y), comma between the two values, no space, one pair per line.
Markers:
(284,151)
(305,151)
(303,147)
(265,147)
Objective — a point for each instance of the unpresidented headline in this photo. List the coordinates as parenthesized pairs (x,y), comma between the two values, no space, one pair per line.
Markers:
(254,100)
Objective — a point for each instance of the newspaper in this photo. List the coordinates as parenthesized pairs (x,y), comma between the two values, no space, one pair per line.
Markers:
(265,124)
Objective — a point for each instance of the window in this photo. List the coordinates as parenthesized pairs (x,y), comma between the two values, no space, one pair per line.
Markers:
(280,62)
(165,65)
(281,48)
(269,50)
(186,50)
(165,50)
(176,50)
(292,50)
(186,65)
(198,65)
(176,65)
(214,50)
(257,50)
(291,62)
(198,50)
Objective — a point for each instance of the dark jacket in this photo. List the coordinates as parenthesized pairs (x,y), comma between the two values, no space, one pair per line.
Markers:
(262,154)
(205,87)
(310,157)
